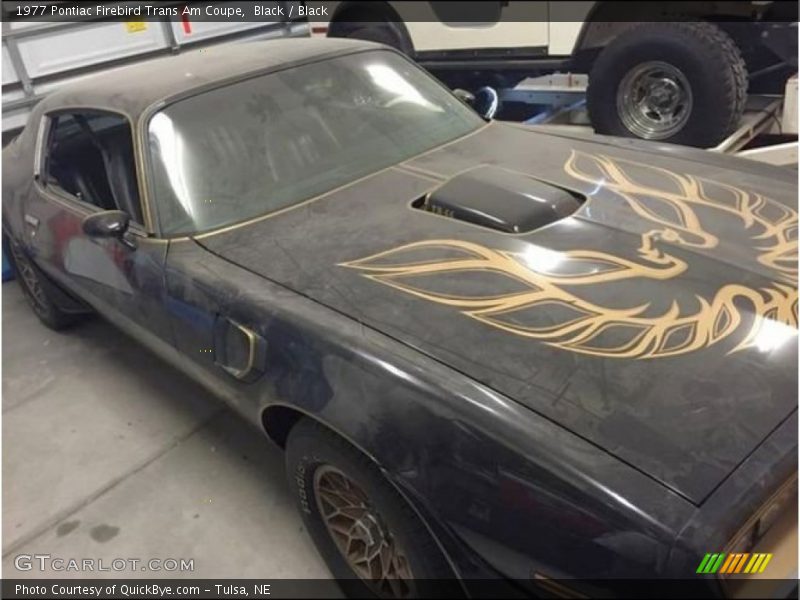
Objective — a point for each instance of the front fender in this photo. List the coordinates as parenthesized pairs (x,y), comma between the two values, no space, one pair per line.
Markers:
(509,485)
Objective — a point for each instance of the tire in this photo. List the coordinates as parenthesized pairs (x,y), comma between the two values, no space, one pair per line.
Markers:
(314,453)
(696,55)
(35,288)
(381,34)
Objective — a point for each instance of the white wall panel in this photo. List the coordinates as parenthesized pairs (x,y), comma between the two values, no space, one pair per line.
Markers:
(9,74)
(53,52)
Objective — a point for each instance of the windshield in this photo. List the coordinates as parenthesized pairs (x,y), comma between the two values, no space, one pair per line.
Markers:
(257,146)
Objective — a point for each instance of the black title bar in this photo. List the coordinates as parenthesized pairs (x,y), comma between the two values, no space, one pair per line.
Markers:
(450,13)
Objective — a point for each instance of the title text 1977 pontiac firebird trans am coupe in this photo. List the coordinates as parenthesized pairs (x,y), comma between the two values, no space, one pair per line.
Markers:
(487,351)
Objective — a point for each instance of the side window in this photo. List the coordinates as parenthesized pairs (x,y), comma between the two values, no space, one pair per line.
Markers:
(90,156)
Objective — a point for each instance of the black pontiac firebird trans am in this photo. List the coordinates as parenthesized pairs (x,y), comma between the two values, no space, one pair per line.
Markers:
(488,352)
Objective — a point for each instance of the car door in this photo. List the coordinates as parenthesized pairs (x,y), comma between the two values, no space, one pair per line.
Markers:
(515,26)
(84,165)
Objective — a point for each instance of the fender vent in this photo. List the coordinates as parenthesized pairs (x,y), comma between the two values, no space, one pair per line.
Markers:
(498,199)
(239,351)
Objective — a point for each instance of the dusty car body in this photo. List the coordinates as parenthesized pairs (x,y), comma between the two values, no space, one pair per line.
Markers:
(590,343)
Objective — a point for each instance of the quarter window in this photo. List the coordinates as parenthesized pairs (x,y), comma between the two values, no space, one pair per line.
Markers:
(90,156)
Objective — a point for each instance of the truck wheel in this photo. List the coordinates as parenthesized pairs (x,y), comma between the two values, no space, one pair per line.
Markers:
(372,541)
(684,83)
(381,33)
(31,280)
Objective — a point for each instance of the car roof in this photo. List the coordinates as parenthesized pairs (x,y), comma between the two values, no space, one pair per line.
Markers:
(132,89)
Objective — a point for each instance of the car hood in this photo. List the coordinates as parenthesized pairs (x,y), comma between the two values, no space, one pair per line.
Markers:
(658,321)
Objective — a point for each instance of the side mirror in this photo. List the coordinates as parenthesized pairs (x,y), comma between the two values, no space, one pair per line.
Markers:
(107,224)
(485,102)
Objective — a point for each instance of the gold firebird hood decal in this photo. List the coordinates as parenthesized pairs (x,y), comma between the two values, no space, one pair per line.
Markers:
(550,306)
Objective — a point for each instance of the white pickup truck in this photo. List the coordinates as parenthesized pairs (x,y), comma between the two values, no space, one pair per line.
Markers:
(678,72)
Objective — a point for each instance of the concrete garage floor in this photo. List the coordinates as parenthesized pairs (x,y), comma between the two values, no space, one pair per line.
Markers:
(110,453)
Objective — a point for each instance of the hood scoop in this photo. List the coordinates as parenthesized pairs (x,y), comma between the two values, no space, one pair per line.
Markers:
(499,199)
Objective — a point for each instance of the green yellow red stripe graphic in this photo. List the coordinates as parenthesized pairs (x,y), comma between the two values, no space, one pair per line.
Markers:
(727,564)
